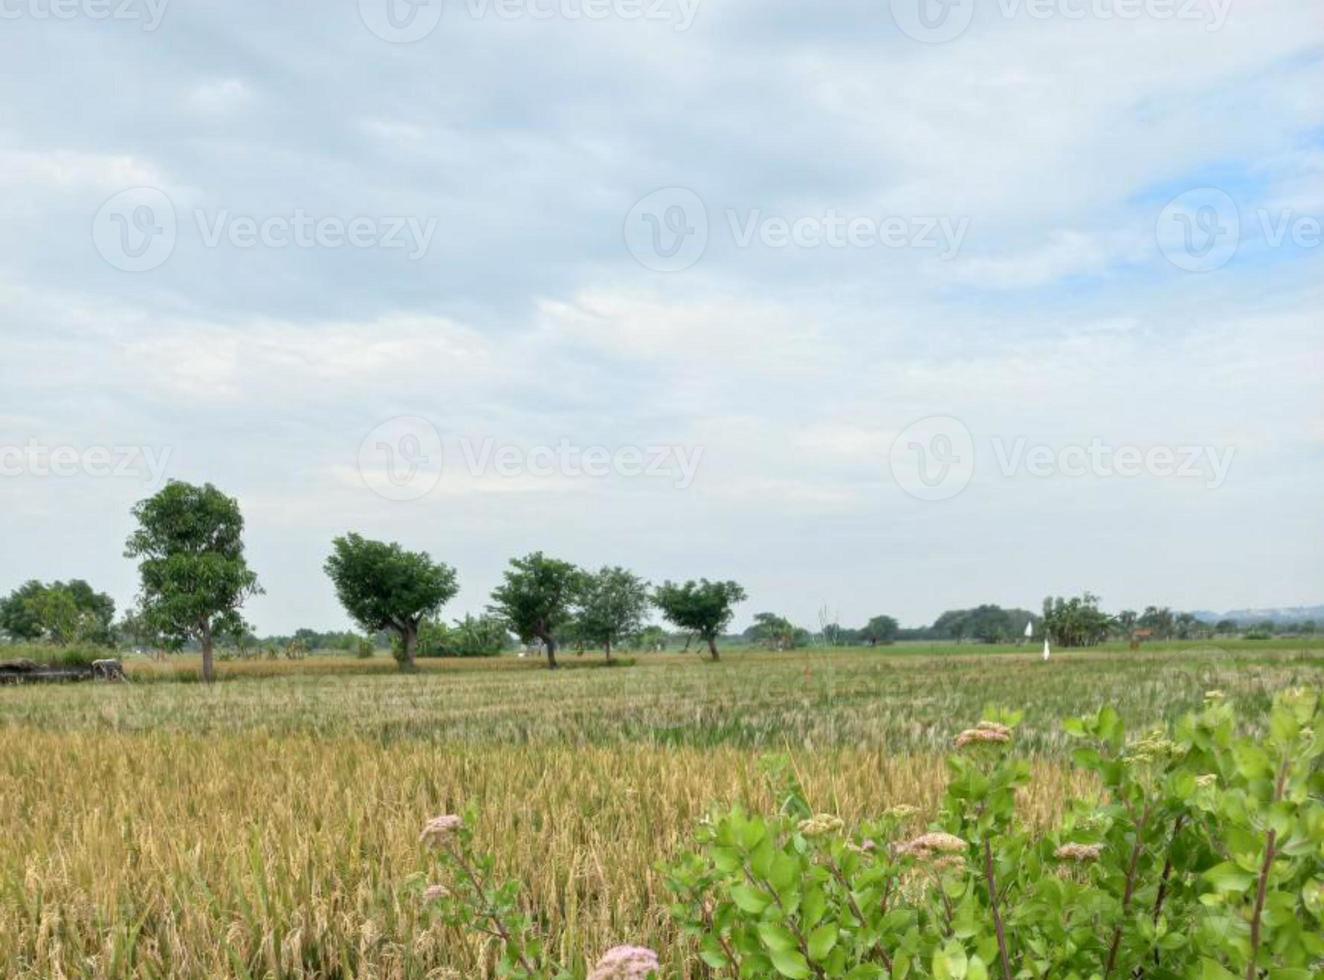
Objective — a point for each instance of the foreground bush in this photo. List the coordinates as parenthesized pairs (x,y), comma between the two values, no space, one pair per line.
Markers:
(1202,857)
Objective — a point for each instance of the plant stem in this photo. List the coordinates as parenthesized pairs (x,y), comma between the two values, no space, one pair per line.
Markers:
(489,913)
(799,936)
(997,916)
(1167,874)
(855,908)
(1136,851)
(1270,852)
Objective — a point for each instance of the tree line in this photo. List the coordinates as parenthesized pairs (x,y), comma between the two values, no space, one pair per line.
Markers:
(194,580)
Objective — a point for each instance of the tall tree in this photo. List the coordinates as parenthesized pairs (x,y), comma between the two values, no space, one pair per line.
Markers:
(612,607)
(880,629)
(538,598)
(61,612)
(1076,622)
(384,587)
(18,618)
(772,631)
(194,576)
(701,607)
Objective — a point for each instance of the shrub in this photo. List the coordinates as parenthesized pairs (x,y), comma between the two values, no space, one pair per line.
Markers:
(482,636)
(1202,857)
(54,655)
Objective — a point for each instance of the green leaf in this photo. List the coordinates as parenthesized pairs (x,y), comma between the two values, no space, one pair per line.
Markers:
(776,936)
(749,899)
(1227,877)
(790,963)
(1212,970)
(821,941)
(813,906)
(710,950)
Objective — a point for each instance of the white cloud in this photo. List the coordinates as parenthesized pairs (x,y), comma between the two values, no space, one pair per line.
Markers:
(61,170)
(219,96)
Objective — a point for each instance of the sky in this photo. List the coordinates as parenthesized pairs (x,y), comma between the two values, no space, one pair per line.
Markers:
(881,307)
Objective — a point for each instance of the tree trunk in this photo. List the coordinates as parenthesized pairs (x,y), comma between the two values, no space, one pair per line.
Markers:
(608,649)
(712,647)
(409,640)
(549,642)
(208,664)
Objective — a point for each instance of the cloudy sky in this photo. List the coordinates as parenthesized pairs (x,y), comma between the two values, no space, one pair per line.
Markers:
(874,307)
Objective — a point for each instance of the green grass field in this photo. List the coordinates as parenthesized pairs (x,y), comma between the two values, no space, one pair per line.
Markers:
(267,825)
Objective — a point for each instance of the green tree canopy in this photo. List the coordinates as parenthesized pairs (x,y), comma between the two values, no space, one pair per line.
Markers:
(613,604)
(61,612)
(701,607)
(773,631)
(195,579)
(18,619)
(880,629)
(1076,622)
(384,587)
(538,598)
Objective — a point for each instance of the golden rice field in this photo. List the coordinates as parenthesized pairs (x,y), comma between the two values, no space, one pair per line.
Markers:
(267,826)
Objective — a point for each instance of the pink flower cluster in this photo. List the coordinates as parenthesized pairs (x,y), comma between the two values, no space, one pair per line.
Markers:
(438,830)
(626,963)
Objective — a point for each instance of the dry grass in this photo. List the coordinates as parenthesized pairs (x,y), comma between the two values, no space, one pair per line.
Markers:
(268,827)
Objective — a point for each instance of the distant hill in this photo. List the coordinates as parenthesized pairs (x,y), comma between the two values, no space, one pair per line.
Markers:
(1281,616)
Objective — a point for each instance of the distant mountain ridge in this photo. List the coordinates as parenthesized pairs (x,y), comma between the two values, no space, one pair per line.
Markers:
(1281,615)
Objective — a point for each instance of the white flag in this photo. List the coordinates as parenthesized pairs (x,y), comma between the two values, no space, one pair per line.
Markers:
(1029,629)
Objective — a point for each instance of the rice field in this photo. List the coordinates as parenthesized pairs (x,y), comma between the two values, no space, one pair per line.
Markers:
(267,826)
